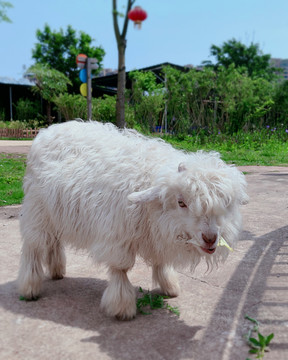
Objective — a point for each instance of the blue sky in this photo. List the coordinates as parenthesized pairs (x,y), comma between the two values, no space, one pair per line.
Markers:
(180,32)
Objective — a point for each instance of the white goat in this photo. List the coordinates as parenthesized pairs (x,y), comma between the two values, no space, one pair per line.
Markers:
(119,194)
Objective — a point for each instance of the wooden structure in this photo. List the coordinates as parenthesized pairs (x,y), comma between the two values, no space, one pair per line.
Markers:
(18,133)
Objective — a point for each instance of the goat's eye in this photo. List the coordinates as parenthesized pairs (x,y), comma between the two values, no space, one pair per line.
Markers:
(182,204)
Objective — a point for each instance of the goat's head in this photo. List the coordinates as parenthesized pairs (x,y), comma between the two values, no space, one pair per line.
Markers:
(196,205)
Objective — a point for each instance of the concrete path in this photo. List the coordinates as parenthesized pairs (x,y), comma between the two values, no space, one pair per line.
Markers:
(15,146)
(66,323)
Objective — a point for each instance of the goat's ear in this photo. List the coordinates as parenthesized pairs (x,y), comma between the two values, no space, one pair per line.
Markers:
(181,167)
(144,196)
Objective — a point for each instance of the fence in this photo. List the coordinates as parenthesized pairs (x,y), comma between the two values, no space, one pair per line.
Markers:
(18,133)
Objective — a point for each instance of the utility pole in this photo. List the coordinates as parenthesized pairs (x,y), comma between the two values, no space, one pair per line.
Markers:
(89,89)
(86,65)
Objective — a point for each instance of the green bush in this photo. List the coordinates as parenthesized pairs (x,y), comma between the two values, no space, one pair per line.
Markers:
(71,106)
(147,98)
(17,124)
(27,109)
(103,109)
(2,114)
(279,111)
(190,99)
(13,124)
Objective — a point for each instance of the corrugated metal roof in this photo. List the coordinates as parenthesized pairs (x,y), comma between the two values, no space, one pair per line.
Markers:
(11,81)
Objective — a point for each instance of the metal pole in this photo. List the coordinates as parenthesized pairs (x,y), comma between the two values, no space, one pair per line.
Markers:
(165,109)
(89,92)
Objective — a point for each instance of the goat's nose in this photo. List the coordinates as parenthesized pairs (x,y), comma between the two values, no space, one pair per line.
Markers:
(210,239)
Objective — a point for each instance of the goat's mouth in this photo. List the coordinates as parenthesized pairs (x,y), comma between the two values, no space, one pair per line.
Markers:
(194,241)
(208,251)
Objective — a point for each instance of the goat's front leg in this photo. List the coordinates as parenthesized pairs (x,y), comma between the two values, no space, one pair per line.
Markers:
(119,298)
(166,277)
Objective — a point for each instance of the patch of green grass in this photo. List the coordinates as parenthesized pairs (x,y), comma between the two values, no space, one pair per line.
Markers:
(255,148)
(12,169)
(152,302)
(17,139)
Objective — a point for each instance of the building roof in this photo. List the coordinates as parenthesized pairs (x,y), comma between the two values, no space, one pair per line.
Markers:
(11,81)
(108,83)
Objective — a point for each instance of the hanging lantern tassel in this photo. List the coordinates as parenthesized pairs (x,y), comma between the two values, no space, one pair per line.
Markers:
(137,24)
(137,15)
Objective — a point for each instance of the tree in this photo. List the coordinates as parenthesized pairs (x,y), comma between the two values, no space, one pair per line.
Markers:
(49,83)
(59,51)
(3,6)
(246,58)
(121,44)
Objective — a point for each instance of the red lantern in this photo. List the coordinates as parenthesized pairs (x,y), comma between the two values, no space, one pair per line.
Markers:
(137,15)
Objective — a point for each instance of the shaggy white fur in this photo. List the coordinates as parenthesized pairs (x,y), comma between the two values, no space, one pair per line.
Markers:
(117,194)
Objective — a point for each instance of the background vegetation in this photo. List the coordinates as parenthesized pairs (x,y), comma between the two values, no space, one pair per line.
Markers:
(237,106)
(239,92)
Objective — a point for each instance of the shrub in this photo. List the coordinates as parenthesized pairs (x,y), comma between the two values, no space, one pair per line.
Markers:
(103,109)
(71,106)
(2,114)
(17,124)
(147,100)
(27,109)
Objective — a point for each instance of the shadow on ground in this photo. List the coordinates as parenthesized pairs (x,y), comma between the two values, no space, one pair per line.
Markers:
(255,288)
(75,302)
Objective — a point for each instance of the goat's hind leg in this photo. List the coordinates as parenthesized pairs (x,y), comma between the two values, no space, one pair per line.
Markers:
(55,259)
(31,273)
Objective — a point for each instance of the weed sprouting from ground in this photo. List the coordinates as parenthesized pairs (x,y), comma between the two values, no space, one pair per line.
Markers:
(152,302)
(260,344)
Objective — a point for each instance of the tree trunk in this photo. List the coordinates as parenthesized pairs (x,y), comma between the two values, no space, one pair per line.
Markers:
(121,85)
(121,44)
(48,110)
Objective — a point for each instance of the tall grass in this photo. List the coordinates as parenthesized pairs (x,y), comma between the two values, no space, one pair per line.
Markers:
(268,146)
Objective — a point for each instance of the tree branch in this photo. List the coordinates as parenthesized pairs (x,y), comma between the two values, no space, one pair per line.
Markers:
(115,22)
(125,26)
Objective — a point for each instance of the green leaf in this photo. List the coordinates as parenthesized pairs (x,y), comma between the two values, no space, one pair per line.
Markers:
(34,298)
(253,351)
(155,301)
(262,339)
(255,342)
(174,310)
(269,338)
